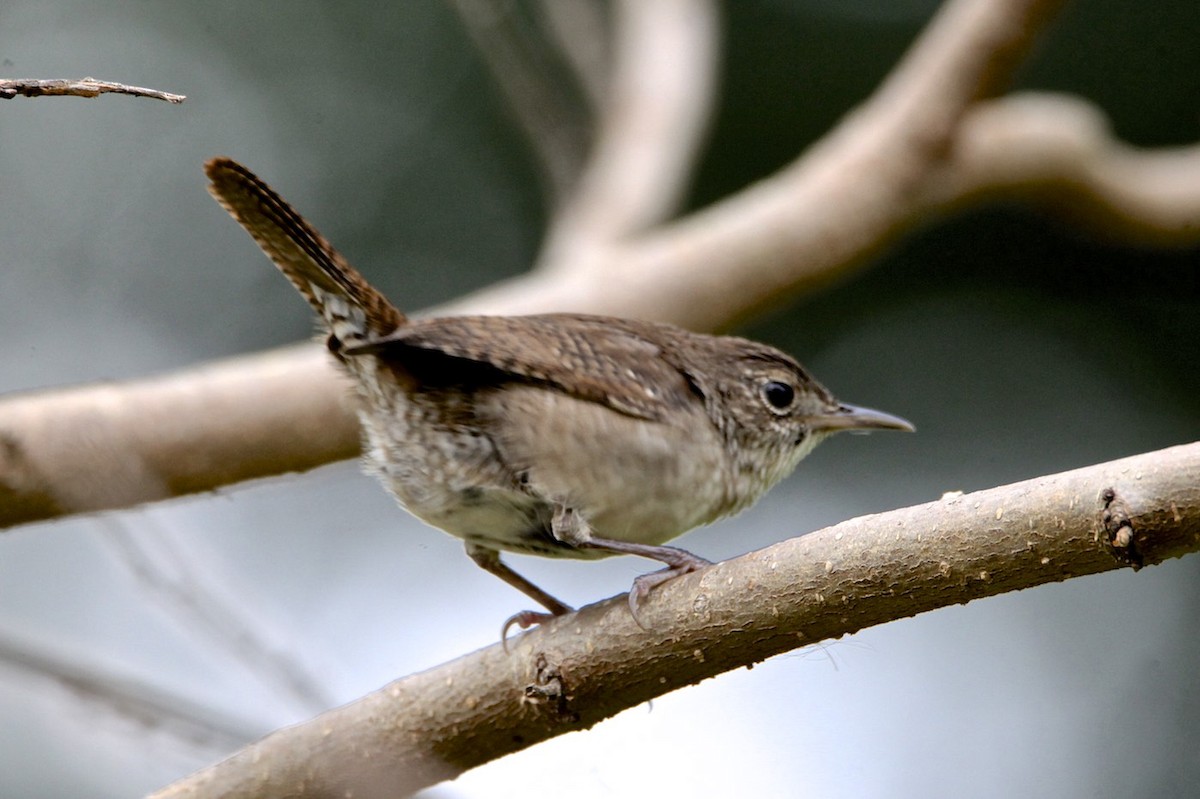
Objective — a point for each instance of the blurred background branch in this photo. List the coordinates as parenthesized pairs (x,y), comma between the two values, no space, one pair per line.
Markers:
(91,682)
(526,54)
(649,128)
(177,583)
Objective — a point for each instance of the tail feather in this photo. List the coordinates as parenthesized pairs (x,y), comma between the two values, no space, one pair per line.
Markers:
(353,310)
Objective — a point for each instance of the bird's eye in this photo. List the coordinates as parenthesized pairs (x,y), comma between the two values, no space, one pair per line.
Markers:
(778,395)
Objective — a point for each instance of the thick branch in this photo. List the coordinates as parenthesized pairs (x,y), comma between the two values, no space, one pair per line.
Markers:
(115,445)
(85,87)
(583,668)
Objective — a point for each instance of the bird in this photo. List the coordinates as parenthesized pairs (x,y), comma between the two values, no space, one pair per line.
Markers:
(563,434)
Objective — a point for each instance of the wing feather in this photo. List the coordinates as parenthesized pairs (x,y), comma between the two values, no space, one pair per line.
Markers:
(618,363)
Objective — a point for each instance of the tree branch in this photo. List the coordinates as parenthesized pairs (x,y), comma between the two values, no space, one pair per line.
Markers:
(851,194)
(1057,151)
(580,669)
(114,445)
(85,87)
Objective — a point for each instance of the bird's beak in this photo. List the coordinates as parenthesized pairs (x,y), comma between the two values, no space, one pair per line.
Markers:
(852,417)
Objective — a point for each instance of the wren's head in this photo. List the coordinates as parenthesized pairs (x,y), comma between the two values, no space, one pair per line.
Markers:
(772,412)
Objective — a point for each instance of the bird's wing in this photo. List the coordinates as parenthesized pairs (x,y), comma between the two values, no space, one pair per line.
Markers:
(619,363)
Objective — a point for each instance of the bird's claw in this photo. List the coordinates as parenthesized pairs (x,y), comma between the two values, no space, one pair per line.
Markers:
(525,619)
(643,585)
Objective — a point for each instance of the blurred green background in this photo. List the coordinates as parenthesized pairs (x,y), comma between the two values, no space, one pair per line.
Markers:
(1017,345)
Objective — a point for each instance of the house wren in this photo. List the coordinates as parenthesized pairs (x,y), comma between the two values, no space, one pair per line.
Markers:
(563,435)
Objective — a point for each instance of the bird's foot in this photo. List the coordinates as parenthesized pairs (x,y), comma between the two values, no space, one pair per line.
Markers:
(525,619)
(682,562)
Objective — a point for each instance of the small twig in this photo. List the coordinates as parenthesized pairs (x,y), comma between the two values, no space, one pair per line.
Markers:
(86,87)
(126,696)
(172,582)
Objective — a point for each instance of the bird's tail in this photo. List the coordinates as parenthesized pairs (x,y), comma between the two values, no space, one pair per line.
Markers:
(352,310)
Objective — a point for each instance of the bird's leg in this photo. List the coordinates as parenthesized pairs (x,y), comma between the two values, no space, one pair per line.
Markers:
(489,561)
(569,527)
